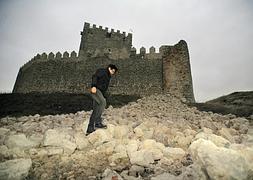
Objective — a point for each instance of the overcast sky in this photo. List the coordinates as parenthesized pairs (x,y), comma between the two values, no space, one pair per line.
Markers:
(219,34)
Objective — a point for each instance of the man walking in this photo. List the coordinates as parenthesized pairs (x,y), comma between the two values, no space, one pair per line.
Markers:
(99,86)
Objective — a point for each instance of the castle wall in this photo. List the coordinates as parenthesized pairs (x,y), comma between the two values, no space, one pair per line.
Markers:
(135,75)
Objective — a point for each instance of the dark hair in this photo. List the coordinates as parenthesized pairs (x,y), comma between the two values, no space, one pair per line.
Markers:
(112,66)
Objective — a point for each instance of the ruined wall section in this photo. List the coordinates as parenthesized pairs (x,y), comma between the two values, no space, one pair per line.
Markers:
(177,71)
(99,42)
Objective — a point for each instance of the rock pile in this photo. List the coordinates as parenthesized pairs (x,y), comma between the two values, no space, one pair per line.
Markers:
(157,137)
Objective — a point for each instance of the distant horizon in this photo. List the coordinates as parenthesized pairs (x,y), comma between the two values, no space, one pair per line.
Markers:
(130,95)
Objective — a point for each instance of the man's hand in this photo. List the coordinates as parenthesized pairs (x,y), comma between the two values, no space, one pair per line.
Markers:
(93,90)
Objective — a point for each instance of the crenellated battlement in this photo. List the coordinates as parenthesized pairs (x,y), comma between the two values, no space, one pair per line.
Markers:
(66,56)
(150,55)
(56,56)
(94,27)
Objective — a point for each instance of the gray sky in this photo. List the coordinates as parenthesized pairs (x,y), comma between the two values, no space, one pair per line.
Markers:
(219,34)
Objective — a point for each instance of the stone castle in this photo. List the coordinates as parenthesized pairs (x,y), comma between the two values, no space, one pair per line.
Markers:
(139,73)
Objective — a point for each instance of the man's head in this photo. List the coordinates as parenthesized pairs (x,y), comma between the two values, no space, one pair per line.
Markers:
(112,69)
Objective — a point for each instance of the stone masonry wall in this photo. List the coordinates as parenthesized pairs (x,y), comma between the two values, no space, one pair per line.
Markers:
(177,71)
(135,75)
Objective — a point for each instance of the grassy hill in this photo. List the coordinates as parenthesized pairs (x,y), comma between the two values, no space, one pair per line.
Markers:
(238,103)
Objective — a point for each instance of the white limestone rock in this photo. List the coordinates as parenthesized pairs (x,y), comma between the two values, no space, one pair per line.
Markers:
(219,162)
(59,138)
(142,158)
(19,141)
(15,169)
(217,140)
(174,153)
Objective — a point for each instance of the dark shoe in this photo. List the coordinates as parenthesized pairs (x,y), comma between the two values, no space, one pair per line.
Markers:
(89,130)
(101,126)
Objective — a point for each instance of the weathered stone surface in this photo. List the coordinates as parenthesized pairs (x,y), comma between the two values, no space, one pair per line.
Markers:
(192,172)
(142,158)
(99,137)
(136,171)
(174,153)
(124,174)
(37,139)
(4,152)
(17,152)
(246,152)
(154,147)
(121,132)
(219,162)
(119,161)
(132,146)
(20,141)
(82,142)
(67,122)
(109,174)
(217,140)
(15,169)
(48,151)
(227,134)
(164,176)
(3,131)
(59,139)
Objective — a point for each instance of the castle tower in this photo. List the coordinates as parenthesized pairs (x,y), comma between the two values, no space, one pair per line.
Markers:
(177,78)
(99,42)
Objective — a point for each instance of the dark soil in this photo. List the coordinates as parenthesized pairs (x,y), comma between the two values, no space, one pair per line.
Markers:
(17,104)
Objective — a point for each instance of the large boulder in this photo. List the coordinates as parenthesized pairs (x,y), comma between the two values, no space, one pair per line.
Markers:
(99,137)
(174,153)
(154,147)
(142,158)
(59,138)
(145,130)
(181,140)
(15,169)
(132,146)
(246,152)
(219,162)
(119,161)
(81,142)
(19,141)
(217,140)
(4,131)
(228,133)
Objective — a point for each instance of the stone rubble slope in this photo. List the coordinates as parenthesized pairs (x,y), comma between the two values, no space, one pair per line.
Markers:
(157,137)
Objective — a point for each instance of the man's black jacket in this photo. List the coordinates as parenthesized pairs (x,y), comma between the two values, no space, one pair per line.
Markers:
(101,79)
